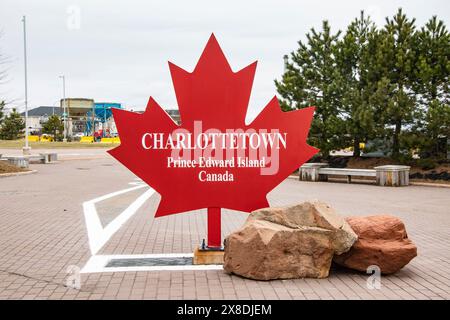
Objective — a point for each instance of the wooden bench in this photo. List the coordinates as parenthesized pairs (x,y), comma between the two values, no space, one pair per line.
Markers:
(46,157)
(49,157)
(347,172)
(35,158)
(390,175)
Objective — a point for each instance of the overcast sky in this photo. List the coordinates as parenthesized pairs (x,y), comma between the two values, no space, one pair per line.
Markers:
(118,50)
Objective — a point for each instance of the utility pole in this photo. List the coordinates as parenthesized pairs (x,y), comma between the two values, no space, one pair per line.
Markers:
(26,149)
(104,120)
(93,122)
(64,107)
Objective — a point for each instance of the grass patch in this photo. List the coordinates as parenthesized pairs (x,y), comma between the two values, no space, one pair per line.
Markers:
(18,144)
(6,167)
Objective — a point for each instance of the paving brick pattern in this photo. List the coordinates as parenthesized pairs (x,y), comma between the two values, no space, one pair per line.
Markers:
(42,233)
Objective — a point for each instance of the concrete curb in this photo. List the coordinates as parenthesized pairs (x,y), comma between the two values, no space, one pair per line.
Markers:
(429,184)
(12,174)
(411,183)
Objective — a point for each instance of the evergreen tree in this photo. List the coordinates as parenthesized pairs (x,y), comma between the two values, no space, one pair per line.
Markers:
(312,79)
(432,86)
(359,79)
(396,58)
(54,126)
(389,85)
(12,126)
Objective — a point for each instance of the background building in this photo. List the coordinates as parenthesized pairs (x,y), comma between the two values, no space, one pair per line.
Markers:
(103,120)
(76,112)
(38,116)
(82,115)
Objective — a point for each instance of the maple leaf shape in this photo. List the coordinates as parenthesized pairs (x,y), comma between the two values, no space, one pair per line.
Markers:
(218,97)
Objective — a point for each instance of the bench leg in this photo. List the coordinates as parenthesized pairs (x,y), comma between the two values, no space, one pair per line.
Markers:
(349,179)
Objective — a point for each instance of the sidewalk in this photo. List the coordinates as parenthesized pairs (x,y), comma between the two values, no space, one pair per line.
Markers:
(43,232)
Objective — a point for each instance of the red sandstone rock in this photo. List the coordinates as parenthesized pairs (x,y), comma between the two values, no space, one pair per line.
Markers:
(382,241)
(292,242)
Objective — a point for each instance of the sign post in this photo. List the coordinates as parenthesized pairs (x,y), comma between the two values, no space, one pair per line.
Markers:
(214,228)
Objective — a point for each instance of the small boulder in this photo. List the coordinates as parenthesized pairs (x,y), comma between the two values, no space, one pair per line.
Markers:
(292,242)
(382,241)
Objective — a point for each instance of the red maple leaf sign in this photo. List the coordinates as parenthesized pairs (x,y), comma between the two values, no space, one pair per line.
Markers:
(188,171)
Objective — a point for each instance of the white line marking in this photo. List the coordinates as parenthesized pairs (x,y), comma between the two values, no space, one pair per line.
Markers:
(136,183)
(164,268)
(98,235)
(114,194)
(97,263)
(115,225)
(150,255)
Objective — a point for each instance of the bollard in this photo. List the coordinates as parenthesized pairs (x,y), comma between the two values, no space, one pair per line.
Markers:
(392,175)
(310,172)
(21,162)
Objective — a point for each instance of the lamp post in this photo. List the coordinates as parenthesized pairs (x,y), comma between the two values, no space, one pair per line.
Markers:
(64,107)
(26,149)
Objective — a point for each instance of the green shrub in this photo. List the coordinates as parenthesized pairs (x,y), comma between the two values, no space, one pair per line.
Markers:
(426,164)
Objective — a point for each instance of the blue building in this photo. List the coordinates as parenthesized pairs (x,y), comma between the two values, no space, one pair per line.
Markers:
(103,119)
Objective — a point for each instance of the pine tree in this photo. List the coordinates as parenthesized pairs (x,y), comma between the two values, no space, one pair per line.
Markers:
(396,57)
(54,126)
(432,86)
(359,79)
(312,79)
(12,126)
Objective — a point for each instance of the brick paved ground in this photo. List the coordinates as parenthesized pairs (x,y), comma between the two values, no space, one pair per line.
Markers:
(42,232)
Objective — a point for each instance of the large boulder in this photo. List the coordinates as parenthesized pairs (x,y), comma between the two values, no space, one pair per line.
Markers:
(292,242)
(382,241)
